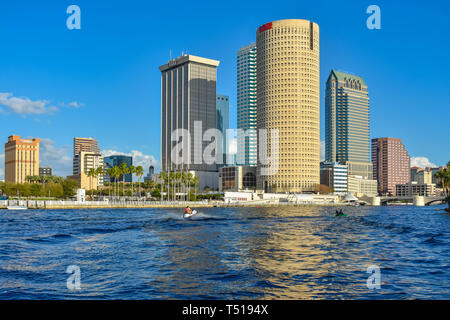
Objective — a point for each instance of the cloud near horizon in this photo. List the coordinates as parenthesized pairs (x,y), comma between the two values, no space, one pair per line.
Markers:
(139,158)
(58,158)
(421,162)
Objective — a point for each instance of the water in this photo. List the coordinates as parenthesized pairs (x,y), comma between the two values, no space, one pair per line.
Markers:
(226,253)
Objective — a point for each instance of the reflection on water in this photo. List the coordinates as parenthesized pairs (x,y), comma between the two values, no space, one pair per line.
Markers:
(226,253)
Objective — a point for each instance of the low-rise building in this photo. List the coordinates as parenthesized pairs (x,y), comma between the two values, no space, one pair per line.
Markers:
(421,176)
(237,178)
(360,186)
(82,163)
(85,182)
(334,176)
(45,171)
(416,189)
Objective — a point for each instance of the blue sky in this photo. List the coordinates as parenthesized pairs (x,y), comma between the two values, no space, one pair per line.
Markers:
(103,80)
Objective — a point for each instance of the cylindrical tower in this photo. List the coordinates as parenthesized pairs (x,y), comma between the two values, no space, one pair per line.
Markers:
(288,99)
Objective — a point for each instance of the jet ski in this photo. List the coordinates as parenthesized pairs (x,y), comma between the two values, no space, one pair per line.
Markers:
(188,215)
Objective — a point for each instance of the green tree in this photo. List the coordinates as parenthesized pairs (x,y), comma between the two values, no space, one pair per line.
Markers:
(123,171)
(163,176)
(139,174)
(70,187)
(443,176)
(131,170)
(91,174)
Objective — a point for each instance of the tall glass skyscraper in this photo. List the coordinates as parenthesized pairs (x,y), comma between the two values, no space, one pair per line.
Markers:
(223,120)
(246,105)
(347,125)
(188,102)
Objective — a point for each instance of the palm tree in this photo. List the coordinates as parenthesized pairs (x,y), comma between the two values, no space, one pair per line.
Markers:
(99,172)
(123,171)
(139,174)
(91,173)
(189,181)
(195,181)
(444,176)
(178,180)
(115,173)
(110,173)
(163,177)
(131,170)
(184,181)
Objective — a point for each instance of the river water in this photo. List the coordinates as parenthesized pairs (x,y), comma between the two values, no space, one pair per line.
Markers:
(226,253)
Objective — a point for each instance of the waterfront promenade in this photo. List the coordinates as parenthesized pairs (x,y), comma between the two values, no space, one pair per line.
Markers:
(67,204)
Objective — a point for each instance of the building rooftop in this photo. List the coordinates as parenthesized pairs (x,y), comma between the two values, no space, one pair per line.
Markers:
(342,76)
(186,58)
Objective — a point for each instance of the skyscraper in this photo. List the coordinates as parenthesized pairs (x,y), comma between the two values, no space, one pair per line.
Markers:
(88,145)
(188,97)
(246,105)
(347,123)
(223,120)
(391,164)
(85,144)
(21,158)
(86,156)
(288,100)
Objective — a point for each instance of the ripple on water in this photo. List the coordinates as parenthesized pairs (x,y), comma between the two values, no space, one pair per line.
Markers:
(224,253)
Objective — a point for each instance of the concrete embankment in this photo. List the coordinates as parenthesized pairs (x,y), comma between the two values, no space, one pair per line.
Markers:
(62,204)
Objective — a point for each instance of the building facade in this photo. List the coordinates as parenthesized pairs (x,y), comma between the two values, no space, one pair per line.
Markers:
(85,144)
(360,186)
(416,189)
(334,175)
(347,123)
(288,102)
(188,101)
(83,162)
(45,171)
(391,164)
(223,121)
(21,159)
(116,161)
(237,178)
(246,106)
(151,172)
(421,176)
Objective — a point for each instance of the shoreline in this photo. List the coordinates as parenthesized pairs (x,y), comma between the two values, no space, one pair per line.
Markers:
(173,205)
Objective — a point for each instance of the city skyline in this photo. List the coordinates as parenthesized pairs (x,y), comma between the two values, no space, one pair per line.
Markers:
(72,91)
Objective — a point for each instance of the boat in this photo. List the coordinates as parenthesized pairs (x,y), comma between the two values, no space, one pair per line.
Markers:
(188,215)
(16,207)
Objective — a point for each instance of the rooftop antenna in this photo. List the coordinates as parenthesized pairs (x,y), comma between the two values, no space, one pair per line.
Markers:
(170,54)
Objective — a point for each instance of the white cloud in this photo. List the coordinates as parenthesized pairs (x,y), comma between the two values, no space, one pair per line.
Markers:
(59,158)
(73,104)
(322,150)
(139,159)
(421,162)
(23,105)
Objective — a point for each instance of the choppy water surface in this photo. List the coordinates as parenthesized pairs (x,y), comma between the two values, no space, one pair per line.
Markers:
(226,253)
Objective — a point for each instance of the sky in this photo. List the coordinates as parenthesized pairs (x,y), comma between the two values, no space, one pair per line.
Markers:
(103,80)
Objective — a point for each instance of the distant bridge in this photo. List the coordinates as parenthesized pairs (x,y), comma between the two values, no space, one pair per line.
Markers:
(427,200)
